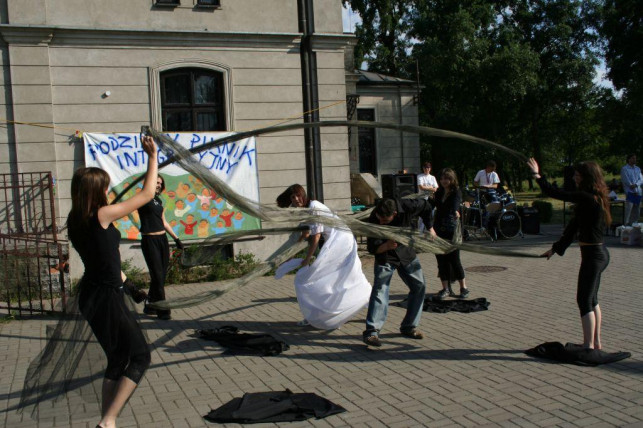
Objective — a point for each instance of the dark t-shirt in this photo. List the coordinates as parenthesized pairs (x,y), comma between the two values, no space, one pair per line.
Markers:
(407,209)
(151,215)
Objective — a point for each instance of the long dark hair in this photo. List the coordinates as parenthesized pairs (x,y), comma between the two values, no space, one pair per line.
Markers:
(453,178)
(88,187)
(592,181)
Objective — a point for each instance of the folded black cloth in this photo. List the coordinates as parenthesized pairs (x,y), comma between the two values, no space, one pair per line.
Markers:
(575,354)
(466,306)
(228,336)
(444,306)
(274,406)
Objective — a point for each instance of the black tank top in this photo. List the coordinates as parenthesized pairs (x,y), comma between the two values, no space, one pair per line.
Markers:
(151,215)
(99,251)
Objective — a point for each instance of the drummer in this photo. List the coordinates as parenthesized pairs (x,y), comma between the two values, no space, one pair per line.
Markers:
(487,178)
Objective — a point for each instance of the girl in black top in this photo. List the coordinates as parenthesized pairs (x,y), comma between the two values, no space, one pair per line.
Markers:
(591,217)
(101,298)
(447,215)
(156,248)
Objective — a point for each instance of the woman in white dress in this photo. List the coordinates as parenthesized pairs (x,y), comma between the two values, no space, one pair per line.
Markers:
(333,288)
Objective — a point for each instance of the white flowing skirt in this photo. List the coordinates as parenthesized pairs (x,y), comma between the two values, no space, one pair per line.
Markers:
(333,289)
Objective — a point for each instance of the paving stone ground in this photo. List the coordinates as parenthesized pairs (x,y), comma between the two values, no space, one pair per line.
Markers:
(470,370)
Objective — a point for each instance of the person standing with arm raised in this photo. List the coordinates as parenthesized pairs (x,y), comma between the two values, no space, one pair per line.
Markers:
(101,296)
(591,216)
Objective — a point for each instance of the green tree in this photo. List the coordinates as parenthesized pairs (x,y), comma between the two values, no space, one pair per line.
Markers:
(382,35)
(519,72)
(622,27)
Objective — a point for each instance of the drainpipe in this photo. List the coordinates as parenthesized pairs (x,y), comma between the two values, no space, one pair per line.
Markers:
(399,105)
(312,137)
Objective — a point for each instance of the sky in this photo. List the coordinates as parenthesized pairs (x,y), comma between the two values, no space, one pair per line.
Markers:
(350,19)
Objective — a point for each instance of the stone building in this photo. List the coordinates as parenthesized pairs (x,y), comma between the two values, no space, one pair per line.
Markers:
(112,66)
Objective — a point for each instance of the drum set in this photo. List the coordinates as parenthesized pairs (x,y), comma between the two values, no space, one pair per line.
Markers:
(487,213)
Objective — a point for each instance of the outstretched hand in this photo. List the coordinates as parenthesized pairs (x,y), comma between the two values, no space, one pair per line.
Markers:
(548,254)
(149,146)
(533,166)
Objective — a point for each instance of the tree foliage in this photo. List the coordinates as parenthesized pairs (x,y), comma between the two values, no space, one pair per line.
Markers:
(622,29)
(382,36)
(519,72)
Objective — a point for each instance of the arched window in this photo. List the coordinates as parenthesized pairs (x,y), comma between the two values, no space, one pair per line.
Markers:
(192,99)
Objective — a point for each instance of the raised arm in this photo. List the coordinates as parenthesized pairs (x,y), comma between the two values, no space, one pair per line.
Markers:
(552,192)
(110,213)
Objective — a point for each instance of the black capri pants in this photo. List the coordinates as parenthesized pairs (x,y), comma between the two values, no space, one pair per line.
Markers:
(594,260)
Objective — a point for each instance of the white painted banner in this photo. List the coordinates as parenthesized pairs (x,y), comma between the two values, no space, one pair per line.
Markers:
(193,210)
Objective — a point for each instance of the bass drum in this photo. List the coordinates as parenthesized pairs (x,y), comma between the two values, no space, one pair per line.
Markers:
(507,223)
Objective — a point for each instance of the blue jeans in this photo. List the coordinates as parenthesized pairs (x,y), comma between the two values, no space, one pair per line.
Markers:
(413,277)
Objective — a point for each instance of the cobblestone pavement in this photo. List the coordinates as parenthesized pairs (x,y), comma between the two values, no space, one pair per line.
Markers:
(470,370)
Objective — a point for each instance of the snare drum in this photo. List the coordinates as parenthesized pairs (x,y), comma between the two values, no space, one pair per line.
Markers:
(490,201)
(508,202)
(506,222)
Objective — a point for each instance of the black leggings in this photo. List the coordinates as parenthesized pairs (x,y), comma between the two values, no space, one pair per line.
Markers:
(449,266)
(156,251)
(117,331)
(594,260)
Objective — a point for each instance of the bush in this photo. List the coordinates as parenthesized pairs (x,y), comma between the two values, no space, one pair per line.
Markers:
(222,269)
(218,269)
(545,210)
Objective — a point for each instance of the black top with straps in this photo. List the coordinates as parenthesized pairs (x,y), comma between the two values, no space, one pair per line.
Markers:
(588,220)
(151,215)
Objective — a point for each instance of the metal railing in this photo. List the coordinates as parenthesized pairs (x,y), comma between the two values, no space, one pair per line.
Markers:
(33,259)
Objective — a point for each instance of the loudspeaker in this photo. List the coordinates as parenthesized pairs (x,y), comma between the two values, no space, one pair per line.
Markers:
(568,173)
(398,185)
(530,220)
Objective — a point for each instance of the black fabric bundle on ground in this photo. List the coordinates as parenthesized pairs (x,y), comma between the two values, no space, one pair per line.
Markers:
(444,306)
(228,336)
(274,406)
(575,354)
(465,306)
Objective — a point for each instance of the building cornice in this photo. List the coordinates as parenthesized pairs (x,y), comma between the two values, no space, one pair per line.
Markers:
(58,35)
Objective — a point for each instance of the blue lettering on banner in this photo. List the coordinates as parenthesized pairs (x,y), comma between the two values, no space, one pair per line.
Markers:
(126,150)
(224,157)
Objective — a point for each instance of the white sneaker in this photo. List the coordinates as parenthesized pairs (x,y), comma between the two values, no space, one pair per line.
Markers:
(303,323)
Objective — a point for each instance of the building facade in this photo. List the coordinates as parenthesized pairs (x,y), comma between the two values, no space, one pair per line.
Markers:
(223,65)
